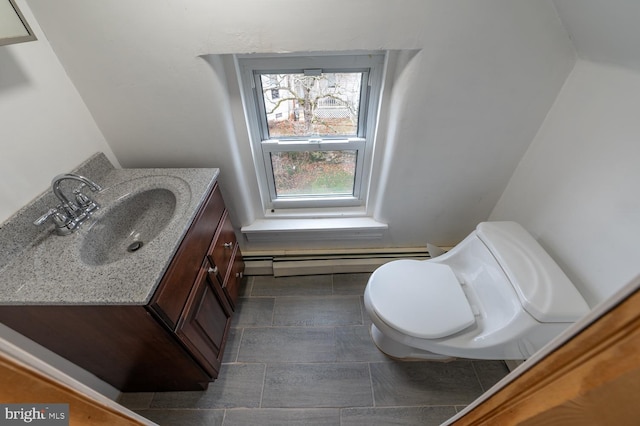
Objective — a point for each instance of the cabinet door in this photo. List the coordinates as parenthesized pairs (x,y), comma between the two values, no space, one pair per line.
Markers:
(205,321)
(169,300)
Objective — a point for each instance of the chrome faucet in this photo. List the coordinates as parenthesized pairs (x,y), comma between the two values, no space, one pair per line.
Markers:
(70,214)
(81,199)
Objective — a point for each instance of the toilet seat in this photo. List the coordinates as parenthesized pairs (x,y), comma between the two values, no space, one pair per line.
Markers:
(420,299)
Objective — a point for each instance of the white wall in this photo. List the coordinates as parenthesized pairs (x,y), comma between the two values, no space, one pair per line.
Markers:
(462,112)
(46,128)
(577,189)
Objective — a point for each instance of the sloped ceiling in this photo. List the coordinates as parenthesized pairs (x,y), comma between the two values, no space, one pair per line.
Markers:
(603,31)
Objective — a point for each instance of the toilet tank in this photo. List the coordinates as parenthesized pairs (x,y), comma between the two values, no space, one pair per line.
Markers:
(543,289)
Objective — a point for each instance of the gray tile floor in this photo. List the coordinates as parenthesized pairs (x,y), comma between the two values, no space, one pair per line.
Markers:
(299,353)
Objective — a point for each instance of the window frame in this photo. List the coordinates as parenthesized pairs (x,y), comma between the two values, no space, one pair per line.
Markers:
(251,67)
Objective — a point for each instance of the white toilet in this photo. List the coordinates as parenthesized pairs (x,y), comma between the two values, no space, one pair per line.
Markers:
(496,295)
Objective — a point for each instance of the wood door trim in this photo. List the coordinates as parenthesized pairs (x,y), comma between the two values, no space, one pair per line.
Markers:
(26,379)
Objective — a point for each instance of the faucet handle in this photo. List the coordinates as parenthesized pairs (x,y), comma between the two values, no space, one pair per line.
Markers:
(81,199)
(59,218)
(64,224)
(42,219)
(84,202)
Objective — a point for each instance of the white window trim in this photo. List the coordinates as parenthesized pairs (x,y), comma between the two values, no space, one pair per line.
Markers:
(363,144)
(300,229)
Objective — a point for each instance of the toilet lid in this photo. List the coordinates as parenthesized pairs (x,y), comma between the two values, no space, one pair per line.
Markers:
(419,298)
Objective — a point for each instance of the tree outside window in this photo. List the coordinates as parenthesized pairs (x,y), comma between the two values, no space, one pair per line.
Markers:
(316,105)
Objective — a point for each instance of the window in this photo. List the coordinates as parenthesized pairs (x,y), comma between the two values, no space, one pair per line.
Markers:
(311,121)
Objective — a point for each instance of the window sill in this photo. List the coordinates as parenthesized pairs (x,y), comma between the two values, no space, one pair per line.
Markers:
(302,229)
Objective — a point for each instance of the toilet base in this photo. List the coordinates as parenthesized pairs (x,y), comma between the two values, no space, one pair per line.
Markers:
(403,352)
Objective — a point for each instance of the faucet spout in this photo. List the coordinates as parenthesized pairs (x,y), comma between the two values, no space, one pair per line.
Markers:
(55,185)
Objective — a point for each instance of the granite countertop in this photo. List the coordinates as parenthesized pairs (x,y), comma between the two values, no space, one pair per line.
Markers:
(51,270)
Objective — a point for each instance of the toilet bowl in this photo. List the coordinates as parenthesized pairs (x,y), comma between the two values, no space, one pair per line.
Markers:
(496,295)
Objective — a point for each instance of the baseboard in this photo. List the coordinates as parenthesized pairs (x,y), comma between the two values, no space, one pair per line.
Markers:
(318,262)
(329,266)
(257,267)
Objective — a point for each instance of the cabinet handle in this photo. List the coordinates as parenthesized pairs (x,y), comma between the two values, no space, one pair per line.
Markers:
(213,270)
(228,245)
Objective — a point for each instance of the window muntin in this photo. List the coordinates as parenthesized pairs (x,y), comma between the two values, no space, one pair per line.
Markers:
(341,97)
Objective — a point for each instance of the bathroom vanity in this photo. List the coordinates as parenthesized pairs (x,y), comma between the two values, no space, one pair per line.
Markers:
(152,319)
(199,291)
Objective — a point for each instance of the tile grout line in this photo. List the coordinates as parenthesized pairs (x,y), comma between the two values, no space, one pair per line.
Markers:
(475,371)
(273,311)
(264,384)
(239,344)
(335,343)
(373,395)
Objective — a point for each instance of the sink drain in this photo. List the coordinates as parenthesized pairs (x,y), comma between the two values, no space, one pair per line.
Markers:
(135,246)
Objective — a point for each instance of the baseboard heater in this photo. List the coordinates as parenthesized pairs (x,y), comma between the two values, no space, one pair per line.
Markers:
(317,262)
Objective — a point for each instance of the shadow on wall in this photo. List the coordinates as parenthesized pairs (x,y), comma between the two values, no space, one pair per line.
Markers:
(235,175)
(391,112)
(12,75)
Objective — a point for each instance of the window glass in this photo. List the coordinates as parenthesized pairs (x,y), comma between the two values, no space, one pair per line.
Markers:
(300,105)
(314,173)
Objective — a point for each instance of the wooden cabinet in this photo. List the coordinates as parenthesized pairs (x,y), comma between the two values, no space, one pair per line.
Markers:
(171,296)
(177,341)
(194,299)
